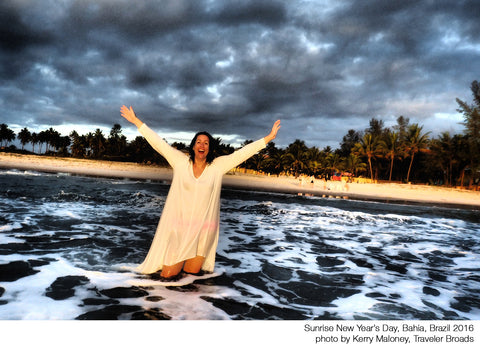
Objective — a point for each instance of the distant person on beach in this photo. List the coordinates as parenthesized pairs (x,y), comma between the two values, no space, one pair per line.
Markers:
(187,234)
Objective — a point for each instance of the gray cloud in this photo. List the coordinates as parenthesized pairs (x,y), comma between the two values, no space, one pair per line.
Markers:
(233,67)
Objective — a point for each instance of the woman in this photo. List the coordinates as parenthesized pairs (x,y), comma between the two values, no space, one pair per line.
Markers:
(187,234)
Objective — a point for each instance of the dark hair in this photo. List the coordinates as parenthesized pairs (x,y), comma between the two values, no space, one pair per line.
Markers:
(211,147)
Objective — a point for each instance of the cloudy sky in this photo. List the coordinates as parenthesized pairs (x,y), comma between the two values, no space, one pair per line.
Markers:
(232,67)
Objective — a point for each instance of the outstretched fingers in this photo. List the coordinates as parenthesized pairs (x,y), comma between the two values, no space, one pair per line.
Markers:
(275,128)
(126,112)
(130,115)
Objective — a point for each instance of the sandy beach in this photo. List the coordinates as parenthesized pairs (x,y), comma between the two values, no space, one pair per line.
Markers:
(392,192)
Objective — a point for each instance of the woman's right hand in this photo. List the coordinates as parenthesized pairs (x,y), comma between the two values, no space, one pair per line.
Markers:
(129,115)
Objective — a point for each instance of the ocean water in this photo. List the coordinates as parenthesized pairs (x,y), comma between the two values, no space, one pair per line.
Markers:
(67,244)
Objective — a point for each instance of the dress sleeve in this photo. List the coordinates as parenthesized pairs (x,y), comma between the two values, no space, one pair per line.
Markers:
(171,154)
(228,162)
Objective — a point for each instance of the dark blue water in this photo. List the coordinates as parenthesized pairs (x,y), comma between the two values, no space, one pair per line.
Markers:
(67,244)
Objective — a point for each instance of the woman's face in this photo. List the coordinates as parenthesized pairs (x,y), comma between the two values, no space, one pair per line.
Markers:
(201,146)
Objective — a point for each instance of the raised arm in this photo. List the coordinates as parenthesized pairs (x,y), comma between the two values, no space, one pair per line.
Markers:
(228,162)
(160,145)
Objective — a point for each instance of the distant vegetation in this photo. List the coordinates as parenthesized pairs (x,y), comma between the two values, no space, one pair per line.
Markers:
(404,152)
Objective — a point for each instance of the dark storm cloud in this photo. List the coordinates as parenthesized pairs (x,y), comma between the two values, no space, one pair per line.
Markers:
(247,12)
(15,40)
(233,67)
(16,36)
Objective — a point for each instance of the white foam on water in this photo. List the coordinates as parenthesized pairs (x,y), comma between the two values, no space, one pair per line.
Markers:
(184,280)
(66,212)
(179,305)
(189,305)
(26,296)
(469,262)
(257,295)
(411,292)
(355,304)
(253,233)
(22,173)
(383,232)
(4,239)
(10,227)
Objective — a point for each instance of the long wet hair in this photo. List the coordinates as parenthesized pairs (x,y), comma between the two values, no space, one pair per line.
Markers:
(211,147)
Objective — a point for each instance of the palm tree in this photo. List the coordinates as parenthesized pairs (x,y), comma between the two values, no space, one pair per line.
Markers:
(63,143)
(98,144)
(401,127)
(471,115)
(42,138)
(116,142)
(257,161)
(6,135)
(315,160)
(25,137)
(34,140)
(449,154)
(78,150)
(296,156)
(368,147)
(354,164)
(334,162)
(276,162)
(415,142)
(391,148)
(53,139)
(349,141)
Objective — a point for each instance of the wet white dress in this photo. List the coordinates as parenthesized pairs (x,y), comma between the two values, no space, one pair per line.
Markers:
(189,225)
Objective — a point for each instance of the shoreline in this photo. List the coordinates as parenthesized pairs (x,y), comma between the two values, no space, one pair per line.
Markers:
(380,192)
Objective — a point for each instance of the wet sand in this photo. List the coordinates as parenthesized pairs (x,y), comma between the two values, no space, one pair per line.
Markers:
(391,192)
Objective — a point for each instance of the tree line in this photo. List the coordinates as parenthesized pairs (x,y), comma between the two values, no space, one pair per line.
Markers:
(403,152)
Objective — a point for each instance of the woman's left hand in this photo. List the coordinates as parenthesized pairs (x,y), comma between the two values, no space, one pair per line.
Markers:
(130,115)
(273,133)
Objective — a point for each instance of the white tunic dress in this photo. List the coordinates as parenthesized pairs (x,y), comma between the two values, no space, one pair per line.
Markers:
(189,225)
